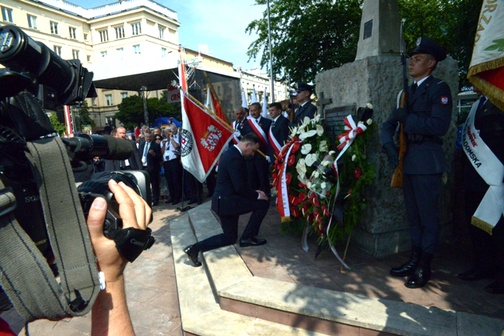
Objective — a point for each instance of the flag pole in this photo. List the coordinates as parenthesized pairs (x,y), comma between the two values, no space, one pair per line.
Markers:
(271,57)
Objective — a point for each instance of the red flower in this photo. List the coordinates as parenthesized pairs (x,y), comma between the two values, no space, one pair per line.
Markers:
(301,197)
(291,161)
(288,178)
(357,173)
(325,211)
(314,199)
(296,146)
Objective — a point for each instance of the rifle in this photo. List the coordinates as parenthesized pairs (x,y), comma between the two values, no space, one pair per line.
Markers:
(402,102)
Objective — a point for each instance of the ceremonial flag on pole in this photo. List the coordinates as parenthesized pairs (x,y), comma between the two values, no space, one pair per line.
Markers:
(217,107)
(264,113)
(204,136)
(254,97)
(244,100)
(486,71)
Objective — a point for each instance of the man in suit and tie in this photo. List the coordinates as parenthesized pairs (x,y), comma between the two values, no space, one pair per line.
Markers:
(306,108)
(258,164)
(233,197)
(151,158)
(425,121)
(279,130)
(132,163)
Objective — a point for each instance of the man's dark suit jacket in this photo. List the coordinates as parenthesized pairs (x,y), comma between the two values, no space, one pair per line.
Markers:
(232,191)
(135,161)
(307,110)
(152,160)
(280,130)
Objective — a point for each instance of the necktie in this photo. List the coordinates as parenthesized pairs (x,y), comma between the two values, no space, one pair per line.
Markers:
(413,88)
(273,124)
(482,101)
(257,121)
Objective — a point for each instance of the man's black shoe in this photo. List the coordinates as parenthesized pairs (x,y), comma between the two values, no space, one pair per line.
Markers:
(419,278)
(192,254)
(496,287)
(252,242)
(476,274)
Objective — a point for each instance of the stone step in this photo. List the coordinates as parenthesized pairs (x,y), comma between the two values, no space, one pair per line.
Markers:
(224,287)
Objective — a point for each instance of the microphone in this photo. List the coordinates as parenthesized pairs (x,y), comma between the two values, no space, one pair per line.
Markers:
(85,146)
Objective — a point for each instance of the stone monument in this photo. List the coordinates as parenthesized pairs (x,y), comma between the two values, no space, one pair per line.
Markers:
(376,77)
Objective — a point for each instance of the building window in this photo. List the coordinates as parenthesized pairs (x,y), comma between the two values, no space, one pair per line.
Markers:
(108,100)
(88,58)
(124,95)
(119,31)
(163,52)
(32,21)
(161,32)
(103,54)
(136,28)
(75,54)
(120,50)
(85,36)
(54,28)
(136,49)
(72,32)
(7,14)
(103,35)
(57,50)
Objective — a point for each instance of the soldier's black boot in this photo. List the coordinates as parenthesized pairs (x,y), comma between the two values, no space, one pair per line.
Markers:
(422,274)
(410,266)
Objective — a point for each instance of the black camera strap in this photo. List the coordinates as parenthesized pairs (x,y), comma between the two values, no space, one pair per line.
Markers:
(26,276)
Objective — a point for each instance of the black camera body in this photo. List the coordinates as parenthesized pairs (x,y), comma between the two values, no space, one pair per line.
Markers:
(97,187)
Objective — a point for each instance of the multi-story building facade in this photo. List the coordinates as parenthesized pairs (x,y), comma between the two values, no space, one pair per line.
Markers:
(127,39)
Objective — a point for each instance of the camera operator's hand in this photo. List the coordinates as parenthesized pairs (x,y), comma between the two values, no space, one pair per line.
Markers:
(134,211)
(110,314)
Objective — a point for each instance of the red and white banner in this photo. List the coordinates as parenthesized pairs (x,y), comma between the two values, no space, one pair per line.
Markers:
(263,138)
(203,140)
(486,71)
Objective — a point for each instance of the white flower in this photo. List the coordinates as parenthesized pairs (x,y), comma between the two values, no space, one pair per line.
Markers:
(323,185)
(369,106)
(326,163)
(308,134)
(301,169)
(309,185)
(332,152)
(354,157)
(369,121)
(306,121)
(316,174)
(323,146)
(310,159)
(306,148)
(316,118)
(319,129)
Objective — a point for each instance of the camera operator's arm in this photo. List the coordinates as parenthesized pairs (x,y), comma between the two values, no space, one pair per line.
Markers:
(110,314)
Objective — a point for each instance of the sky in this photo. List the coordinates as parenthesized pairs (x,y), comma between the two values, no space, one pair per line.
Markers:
(216,28)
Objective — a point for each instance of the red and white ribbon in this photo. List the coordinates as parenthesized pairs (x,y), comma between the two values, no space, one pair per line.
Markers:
(351,131)
(258,130)
(283,196)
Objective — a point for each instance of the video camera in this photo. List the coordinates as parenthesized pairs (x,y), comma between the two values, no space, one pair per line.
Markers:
(35,78)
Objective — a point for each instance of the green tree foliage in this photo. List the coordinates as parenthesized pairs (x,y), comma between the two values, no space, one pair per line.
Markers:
(312,36)
(58,126)
(82,113)
(131,112)
(307,36)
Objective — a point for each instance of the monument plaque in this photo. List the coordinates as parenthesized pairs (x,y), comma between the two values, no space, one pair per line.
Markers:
(333,119)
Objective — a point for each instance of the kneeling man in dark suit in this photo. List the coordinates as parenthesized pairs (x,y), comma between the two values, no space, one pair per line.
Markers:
(233,197)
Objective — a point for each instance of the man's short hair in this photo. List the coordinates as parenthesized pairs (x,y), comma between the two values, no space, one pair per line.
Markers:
(251,138)
(256,104)
(276,105)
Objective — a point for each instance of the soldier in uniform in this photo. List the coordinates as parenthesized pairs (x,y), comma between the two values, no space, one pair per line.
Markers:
(425,121)
(306,108)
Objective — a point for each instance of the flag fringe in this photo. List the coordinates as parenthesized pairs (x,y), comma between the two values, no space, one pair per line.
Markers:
(480,224)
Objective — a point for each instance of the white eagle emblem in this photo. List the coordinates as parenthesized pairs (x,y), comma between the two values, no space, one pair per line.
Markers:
(211,138)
